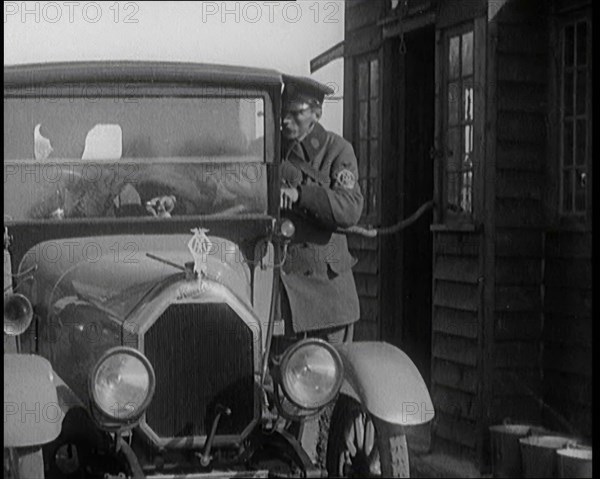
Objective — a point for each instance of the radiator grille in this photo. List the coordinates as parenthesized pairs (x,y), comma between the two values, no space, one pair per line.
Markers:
(202,356)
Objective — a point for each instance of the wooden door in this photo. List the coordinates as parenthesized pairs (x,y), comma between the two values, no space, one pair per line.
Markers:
(417,184)
(407,256)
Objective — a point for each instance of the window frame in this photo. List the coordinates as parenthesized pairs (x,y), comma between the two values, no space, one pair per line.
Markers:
(572,216)
(443,218)
(562,15)
(369,182)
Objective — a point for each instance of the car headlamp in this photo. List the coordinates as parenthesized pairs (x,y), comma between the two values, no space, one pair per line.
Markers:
(18,314)
(311,373)
(122,384)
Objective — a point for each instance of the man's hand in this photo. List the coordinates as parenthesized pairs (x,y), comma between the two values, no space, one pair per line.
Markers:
(288,197)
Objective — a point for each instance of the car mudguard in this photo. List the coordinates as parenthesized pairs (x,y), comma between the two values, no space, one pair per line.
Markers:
(32,413)
(386,382)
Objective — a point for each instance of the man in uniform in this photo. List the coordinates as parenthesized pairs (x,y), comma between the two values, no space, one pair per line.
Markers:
(319,193)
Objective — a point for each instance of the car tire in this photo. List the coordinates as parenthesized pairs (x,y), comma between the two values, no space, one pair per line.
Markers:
(361,445)
(23,463)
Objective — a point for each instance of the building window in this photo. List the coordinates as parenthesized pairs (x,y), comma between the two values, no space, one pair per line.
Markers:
(458,125)
(575,116)
(368,133)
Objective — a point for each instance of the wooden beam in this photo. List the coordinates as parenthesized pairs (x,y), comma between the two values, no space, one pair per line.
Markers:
(569,245)
(454,402)
(454,349)
(456,323)
(510,326)
(457,268)
(454,295)
(571,331)
(568,273)
(515,354)
(396,27)
(518,243)
(518,271)
(518,298)
(457,430)
(329,55)
(489,30)
(390,251)
(575,302)
(456,376)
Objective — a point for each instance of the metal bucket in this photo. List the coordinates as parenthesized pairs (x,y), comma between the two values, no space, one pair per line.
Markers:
(538,454)
(506,452)
(574,461)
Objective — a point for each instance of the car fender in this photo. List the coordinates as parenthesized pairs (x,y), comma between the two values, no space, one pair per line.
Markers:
(386,382)
(32,412)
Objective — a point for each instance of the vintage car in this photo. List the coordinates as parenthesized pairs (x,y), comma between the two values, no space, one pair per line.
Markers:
(143,247)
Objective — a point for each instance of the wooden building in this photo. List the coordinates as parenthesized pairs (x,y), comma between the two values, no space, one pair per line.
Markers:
(485,106)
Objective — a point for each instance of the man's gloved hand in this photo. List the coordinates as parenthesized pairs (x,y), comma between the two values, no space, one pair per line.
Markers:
(161,206)
(288,197)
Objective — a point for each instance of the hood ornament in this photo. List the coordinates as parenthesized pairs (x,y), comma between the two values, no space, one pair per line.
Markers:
(200,246)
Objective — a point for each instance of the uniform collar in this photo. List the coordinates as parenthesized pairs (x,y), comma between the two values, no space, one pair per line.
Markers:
(314,141)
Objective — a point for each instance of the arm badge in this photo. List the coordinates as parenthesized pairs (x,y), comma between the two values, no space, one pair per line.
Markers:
(345,178)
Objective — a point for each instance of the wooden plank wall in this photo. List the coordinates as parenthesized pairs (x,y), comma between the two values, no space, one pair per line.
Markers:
(455,379)
(520,156)
(366,276)
(568,332)
(362,35)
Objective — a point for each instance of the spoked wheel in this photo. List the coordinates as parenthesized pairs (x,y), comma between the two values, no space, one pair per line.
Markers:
(362,446)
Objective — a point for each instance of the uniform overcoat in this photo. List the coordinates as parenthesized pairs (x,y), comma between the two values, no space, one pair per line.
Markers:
(317,273)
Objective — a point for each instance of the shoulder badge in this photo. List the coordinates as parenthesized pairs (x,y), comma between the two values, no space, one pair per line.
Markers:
(345,178)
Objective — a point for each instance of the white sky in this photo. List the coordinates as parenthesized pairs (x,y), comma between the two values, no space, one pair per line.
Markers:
(280,35)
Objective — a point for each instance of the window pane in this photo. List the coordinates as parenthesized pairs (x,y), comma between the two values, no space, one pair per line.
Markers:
(364,188)
(466,192)
(453,161)
(372,197)
(568,143)
(374,159)
(374,83)
(467,54)
(569,45)
(374,119)
(468,140)
(580,178)
(363,80)
(453,58)
(454,152)
(581,43)
(453,186)
(580,133)
(468,101)
(363,120)
(453,103)
(580,94)
(568,93)
(363,159)
(567,190)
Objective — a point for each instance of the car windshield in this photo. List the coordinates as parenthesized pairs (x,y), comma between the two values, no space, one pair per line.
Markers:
(75,157)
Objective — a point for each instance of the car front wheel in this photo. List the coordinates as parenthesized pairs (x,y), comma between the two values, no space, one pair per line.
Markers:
(360,445)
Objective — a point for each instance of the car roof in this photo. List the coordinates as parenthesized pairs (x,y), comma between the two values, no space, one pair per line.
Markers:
(138,71)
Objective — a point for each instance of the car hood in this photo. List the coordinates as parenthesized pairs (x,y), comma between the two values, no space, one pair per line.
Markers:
(115,272)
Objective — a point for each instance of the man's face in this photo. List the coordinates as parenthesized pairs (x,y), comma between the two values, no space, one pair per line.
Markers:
(298,119)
